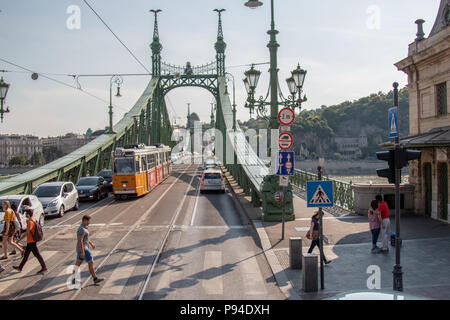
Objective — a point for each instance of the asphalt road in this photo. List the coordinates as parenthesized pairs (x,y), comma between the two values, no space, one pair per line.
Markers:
(174,243)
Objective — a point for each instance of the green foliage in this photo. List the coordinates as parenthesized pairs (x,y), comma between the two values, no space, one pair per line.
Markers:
(18,160)
(51,153)
(37,159)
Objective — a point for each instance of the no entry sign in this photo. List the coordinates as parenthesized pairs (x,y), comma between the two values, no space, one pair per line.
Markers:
(285,141)
(286,116)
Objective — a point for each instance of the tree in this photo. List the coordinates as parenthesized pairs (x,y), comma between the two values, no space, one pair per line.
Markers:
(37,159)
(51,153)
(18,160)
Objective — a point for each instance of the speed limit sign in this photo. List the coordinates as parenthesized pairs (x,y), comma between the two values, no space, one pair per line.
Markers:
(286,116)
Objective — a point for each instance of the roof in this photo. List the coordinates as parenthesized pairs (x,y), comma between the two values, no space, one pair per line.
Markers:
(437,137)
(54,184)
(443,18)
(215,169)
(15,197)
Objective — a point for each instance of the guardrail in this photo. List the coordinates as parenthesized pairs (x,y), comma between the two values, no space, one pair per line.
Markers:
(343,191)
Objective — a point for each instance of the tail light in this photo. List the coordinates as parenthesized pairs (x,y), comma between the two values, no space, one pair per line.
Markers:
(221,177)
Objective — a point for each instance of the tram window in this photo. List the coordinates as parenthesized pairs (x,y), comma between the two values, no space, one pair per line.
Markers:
(138,165)
(123,166)
(144,164)
(151,160)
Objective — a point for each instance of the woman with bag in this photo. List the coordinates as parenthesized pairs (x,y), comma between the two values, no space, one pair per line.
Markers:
(313,234)
(375,222)
(9,230)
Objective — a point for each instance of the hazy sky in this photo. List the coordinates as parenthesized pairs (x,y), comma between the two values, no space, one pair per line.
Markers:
(348,47)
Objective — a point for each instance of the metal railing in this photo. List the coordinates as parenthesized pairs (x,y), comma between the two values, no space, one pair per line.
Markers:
(343,191)
(204,69)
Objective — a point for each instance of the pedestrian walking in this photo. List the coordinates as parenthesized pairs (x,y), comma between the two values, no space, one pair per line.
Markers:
(385,223)
(313,234)
(19,228)
(374,224)
(9,230)
(32,235)
(83,252)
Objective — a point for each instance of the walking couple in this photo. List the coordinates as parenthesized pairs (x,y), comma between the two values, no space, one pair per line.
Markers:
(379,223)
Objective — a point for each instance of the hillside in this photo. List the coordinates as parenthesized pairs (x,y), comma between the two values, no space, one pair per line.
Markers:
(325,131)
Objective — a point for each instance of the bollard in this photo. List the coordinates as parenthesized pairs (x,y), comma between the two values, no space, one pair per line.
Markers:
(295,252)
(310,273)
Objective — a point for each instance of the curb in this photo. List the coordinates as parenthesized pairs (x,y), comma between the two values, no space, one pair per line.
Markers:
(281,278)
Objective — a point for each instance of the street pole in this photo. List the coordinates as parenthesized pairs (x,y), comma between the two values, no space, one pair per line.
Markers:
(319,177)
(283,212)
(397,272)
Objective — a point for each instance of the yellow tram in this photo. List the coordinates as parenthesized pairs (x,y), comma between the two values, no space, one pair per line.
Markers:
(138,169)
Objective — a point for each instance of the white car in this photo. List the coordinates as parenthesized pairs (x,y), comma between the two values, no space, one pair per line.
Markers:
(57,197)
(212,179)
(21,201)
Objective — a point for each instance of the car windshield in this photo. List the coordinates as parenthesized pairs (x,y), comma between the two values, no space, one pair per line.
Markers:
(87,182)
(124,165)
(11,201)
(106,173)
(47,191)
(212,175)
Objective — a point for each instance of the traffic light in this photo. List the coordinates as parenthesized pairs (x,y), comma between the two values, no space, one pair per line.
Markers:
(397,158)
(389,173)
(403,156)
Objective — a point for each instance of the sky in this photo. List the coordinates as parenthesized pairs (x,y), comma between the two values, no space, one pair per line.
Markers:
(348,48)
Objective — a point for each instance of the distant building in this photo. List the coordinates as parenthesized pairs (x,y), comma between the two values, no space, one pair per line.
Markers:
(350,148)
(428,70)
(68,143)
(13,145)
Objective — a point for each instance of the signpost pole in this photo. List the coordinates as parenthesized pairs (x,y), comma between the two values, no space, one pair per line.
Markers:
(283,212)
(319,177)
(397,272)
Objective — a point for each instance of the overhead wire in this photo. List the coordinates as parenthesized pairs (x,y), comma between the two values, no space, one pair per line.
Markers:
(60,82)
(116,36)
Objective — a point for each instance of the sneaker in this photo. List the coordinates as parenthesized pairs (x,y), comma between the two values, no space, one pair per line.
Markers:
(98,280)
(328,262)
(42,271)
(2,268)
(17,268)
(13,252)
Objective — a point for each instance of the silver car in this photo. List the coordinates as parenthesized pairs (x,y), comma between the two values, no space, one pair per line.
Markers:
(57,197)
(21,202)
(212,179)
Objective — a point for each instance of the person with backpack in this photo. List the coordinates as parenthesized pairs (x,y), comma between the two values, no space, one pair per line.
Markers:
(34,234)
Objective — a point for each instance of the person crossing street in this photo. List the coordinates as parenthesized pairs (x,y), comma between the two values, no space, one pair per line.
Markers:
(83,252)
(385,223)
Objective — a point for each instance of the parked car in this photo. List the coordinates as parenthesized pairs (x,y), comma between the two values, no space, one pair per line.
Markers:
(57,197)
(108,176)
(91,188)
(22,201)
(212,179)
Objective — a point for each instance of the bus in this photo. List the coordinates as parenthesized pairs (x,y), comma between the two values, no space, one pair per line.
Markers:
(138,169)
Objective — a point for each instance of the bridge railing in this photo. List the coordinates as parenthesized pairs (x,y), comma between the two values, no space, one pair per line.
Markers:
(343,191)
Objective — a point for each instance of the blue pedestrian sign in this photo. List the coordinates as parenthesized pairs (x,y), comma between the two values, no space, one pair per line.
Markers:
(285,163)
(319,193)
(393,122)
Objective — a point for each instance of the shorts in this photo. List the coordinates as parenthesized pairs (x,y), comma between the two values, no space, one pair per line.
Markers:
(87,256)
(12,230)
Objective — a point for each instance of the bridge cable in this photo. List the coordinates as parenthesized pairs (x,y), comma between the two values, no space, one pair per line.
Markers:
(123,44)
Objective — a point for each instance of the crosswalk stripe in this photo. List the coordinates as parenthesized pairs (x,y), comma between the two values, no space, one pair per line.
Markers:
(31,264)
(119,278)
(59,283)
(212,267)
(102,235)
(251,273)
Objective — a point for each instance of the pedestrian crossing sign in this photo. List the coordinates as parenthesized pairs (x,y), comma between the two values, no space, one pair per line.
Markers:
(319,193)
(393,122)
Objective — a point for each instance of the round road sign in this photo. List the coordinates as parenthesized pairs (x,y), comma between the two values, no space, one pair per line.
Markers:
(285,141)
(286,116)
(279,196)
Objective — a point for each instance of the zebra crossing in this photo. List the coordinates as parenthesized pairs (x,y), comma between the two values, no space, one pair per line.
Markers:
(58,282)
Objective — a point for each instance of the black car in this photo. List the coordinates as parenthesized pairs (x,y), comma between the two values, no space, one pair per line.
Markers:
(107,175)
(92,188)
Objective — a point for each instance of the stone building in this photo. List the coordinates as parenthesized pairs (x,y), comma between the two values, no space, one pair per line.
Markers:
(67,143)
(351,147)
(12,145)
(428,70)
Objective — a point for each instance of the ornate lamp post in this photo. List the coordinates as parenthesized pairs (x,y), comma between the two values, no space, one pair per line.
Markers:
(4,87)
(118,80)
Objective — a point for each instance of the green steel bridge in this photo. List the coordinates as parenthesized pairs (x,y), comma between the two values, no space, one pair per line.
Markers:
(148,122)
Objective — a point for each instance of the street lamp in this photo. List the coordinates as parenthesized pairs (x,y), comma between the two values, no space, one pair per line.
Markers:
(4,87)
(118,80)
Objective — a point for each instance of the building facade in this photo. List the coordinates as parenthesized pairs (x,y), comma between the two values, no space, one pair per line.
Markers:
(12,145)
(428,70)
(67,144)
(350,148)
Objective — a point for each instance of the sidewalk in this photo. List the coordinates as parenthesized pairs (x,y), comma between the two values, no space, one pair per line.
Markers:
(425,255)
